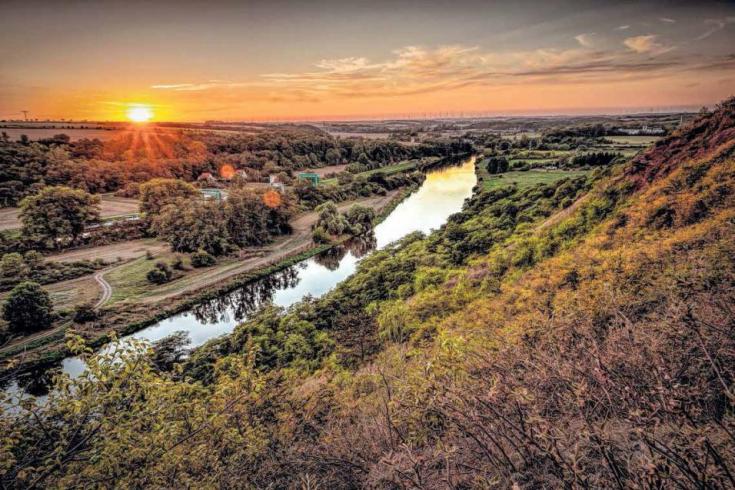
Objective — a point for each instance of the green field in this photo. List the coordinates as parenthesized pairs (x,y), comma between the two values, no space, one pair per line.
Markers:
(529,178)
(387,170)
(633,140)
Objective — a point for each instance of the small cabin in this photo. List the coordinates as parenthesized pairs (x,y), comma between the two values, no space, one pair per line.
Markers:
(206,177)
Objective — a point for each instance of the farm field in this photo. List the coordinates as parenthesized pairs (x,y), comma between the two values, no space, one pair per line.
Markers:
(387,170)
(528,178)
(110,207)
(73,133)
(633,140)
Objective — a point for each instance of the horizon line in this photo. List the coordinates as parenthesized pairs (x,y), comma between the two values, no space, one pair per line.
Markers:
(411,116)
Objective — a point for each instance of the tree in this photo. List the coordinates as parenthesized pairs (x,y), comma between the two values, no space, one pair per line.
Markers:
(56,213)
(12,265)
(332,156)
(330,220)
(360,219)
(193,224)
(157,193)
(253,218)
(28,308)
(497,165)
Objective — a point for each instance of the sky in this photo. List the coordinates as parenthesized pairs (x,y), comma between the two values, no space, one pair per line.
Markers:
(340,59)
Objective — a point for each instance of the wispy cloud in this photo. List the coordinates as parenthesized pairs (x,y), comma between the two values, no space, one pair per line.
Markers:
(196,87)
(647,44)
(624,27)
(715,25)
(585,40)
(667,20)
(415,70)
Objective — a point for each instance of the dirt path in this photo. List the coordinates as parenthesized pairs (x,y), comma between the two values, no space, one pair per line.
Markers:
(86,289)
(106,289)
(298,241)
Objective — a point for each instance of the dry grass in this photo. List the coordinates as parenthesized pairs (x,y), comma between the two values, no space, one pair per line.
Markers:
(113,252)
(110,207)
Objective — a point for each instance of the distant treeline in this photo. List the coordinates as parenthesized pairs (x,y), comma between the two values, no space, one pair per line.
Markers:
(136,157)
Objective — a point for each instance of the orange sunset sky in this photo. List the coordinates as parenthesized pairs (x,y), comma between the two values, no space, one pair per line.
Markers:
(251,60)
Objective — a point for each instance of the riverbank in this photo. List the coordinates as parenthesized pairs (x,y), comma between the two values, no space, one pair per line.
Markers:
(130,318)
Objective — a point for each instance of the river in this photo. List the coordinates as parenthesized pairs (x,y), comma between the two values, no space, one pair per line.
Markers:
(441,195)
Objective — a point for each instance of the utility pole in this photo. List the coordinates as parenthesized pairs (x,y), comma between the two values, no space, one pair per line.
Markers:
(25,115)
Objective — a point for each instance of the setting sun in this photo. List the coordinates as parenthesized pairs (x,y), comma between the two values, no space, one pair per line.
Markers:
(140,113)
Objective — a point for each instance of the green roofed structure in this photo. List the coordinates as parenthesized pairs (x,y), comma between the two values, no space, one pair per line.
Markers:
(310,176)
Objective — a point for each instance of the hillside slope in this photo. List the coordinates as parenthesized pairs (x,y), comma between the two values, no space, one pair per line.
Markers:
(579,334)
(597,352)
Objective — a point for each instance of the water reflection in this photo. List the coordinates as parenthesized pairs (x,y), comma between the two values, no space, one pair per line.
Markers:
(357,246)
(34,382)
(245,301)
(442,194)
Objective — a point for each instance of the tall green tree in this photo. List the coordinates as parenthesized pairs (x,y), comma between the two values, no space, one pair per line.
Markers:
(28,308)
(193,224)
(57,215)
(157,193)
(254,218)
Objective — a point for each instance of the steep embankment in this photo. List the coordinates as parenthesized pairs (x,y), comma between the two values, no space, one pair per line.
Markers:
(598,352)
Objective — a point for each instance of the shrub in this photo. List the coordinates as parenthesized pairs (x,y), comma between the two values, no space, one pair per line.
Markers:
(320,236)
(84,313)
(13,266)
(160,274)
(33,259)
(178,263)
(201,258)
(28,308)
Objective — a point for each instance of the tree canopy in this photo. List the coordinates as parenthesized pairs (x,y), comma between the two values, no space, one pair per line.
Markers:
(28,308)
(57,215)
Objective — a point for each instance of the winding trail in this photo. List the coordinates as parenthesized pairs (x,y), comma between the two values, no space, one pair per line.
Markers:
(106,289)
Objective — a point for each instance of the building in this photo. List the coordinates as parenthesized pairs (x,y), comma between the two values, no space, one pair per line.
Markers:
(206,177)
(275,182)
(644,131)
(216,194)
(310,176)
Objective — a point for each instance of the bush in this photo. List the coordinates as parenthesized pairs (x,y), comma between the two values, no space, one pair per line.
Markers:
(160,274)
(320,236)
(178,263)
(84,314)
(28,308)
(201,258)
(33,259)
(13,266)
